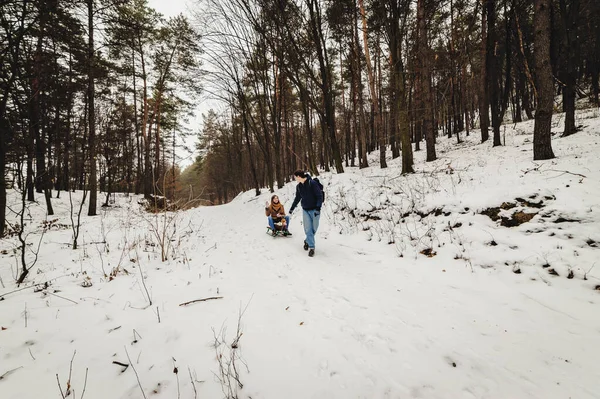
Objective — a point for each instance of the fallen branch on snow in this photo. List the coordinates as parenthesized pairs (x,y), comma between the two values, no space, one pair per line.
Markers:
(200,300)
(136,374)
(121,364)
(44,285)
(61,297)
(538,167)
(9,372)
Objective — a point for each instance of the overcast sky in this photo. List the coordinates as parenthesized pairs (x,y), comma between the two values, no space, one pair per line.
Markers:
(170,8)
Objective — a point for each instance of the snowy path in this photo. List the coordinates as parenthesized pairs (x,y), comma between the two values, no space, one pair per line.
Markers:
(377,326)
(355,321)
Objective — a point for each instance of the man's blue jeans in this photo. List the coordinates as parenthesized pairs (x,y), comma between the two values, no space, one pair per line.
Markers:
(310,219)
(272,222)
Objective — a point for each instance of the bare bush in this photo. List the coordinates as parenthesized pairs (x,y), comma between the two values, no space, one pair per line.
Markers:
(76,226)
(229,359)
(26,263)
(165,229)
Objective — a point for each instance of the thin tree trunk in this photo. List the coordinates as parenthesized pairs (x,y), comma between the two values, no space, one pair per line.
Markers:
(312,161)
(157,151)
(596,85)
(381,122)
(145,133)
(394,107)
(542,145)
(426,104)
(493,70)
(527,103)
(464,97)
(455,78)
(139,169)
(91,112)
(4,129)
(400,90)
(373,91)
(276,122)
(42,181)
(407,154)
(508,85)
(393,117)
(326,83)
(484,102)
(345,119)
(360,109)
(29,179)
(249,149)
(569,18)
(523,56)
(519,85)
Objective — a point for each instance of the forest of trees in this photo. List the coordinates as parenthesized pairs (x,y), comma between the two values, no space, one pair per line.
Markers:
(320,85)
(92,93)
(95,93)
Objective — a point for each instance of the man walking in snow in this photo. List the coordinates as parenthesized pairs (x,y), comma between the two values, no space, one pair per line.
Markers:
(309,192)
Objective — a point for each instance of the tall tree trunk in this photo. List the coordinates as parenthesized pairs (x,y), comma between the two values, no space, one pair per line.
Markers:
(30,154)
(527,103)
(42,180)
(359,111)
(455,78)
(484,101)
(508,85)
(519,85)
(382,125)
(595,59)
(464,96)
(277,124)
(357,126)
(139,169)
(148,171)
(542,145)
(595,75)
(91,111)
(4,129)
(522,53)
(407,154)
(493,70)
(34,102)
(145,127)
(249,148)
(345,115)
(326,83)
(60,144)
(158,180)
(312,160)
(394,99)
(266,146)
(399,89)
(426,104)
(373,91)
(569,10)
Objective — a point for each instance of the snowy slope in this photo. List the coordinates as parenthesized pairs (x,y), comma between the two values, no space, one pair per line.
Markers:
(369,317)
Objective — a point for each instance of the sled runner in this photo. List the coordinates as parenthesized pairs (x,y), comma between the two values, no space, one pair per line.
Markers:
(279,231)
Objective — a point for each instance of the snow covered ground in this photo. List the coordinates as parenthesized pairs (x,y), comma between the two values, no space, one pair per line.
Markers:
(414,292)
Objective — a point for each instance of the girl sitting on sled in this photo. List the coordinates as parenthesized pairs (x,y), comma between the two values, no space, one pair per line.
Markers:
(278,220)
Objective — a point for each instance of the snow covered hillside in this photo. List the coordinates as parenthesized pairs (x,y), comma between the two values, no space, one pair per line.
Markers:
(472,278)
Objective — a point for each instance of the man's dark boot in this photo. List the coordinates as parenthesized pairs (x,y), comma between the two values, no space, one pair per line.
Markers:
(311,253)
(305,246)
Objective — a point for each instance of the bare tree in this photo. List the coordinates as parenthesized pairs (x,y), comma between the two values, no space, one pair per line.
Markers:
(542,145)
